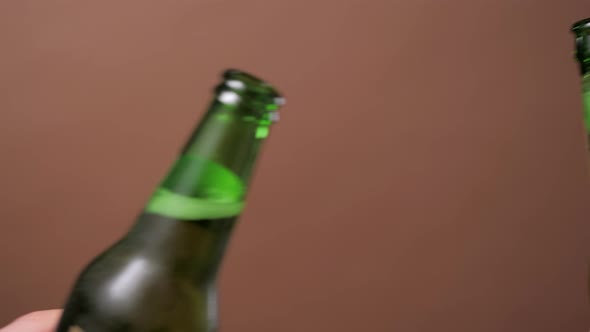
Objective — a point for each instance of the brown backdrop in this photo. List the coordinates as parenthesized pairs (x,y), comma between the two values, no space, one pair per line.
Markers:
(429,172)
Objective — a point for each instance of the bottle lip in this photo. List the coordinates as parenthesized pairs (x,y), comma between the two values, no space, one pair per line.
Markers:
(245,83)
(581,30)
(238,86)
(581,26)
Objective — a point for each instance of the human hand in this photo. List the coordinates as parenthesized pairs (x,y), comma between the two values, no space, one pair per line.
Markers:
(38,321)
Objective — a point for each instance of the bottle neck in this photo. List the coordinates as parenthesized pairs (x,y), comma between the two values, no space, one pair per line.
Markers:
(586,106)
(581,31)
(210,178)
(230,136)
(586,100)
(583,53)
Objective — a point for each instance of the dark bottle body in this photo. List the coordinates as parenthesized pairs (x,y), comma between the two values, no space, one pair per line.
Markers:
(151,280)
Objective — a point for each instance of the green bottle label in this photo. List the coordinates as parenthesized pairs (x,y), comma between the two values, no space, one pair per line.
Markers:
(587,109)
(198,189)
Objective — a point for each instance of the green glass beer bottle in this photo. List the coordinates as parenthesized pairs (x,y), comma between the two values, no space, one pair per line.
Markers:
(581,30)
(161,275)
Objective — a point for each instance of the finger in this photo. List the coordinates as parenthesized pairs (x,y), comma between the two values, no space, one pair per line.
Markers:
(38,321)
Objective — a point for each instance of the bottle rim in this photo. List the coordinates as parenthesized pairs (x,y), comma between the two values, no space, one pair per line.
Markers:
(581,26)
(240,87)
